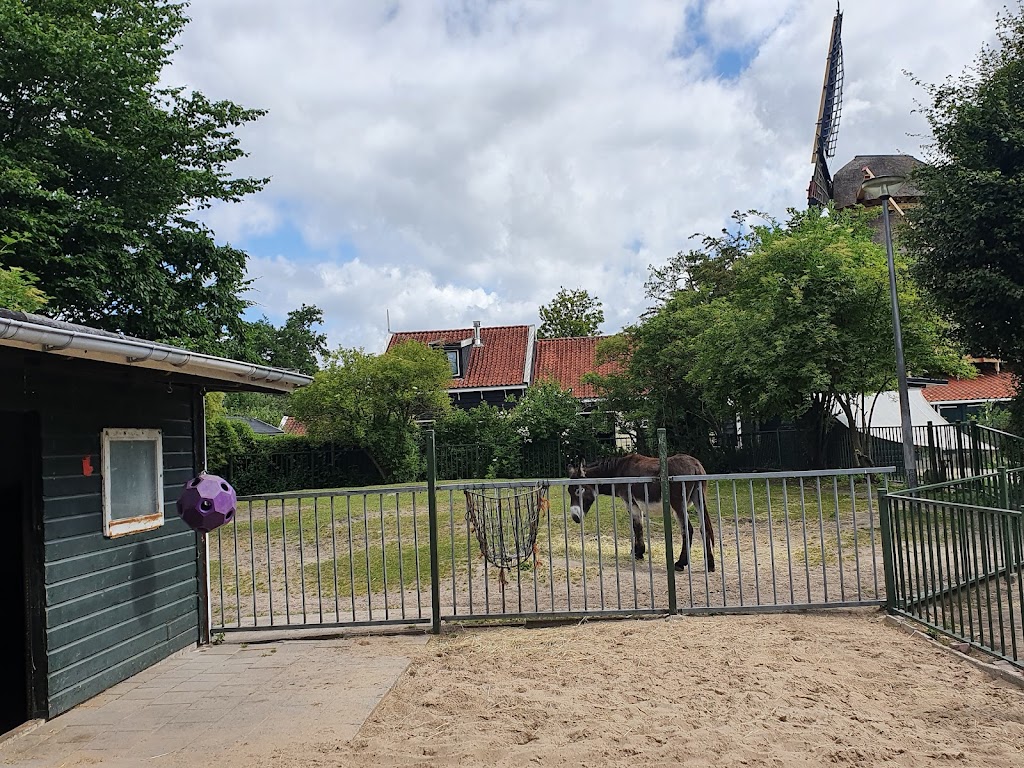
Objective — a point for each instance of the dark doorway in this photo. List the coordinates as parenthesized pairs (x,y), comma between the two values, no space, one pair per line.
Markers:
(18,462)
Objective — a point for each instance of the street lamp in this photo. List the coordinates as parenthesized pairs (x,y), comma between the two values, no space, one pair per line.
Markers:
(883,188)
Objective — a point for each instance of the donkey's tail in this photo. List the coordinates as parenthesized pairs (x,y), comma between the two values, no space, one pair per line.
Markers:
(708,526)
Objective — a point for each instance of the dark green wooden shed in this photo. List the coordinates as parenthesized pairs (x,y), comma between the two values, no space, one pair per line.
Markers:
(98,575)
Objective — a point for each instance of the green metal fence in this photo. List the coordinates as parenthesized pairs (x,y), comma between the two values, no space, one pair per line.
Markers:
(954,559)
(414,554)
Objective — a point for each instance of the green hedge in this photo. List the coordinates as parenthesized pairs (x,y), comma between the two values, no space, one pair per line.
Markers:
(276,464)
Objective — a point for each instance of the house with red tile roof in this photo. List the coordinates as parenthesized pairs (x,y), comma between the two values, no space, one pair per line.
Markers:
(958,399)
(565,361)
(292,426)
(488,364)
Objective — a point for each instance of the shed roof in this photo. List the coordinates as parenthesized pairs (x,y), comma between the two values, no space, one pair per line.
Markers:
(22,330)
(504,360)
(885,412)
(566,360)
(258,426)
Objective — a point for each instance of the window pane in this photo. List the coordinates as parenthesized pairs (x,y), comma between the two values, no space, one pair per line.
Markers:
(453,361)
(133,478)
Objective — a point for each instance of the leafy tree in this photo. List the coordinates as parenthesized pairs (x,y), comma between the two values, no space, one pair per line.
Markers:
(795,323)
(18,291)
(485,437)
(106,167)
(967,233)
(707,269)
(570,313)
(548,414)
(373,401)
(294,346)
(224,437)
(649,389)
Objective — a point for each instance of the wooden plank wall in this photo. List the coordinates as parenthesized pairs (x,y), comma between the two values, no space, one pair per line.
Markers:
(113,606)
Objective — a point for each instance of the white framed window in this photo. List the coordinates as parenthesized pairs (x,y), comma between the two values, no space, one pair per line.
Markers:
(133,481)
(454,362)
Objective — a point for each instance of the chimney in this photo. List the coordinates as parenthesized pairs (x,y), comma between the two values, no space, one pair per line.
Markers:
(477,341)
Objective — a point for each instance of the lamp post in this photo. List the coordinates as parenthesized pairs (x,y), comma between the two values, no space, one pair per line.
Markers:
(883,188)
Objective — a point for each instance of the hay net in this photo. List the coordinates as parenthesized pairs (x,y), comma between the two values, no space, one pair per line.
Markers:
(505,521)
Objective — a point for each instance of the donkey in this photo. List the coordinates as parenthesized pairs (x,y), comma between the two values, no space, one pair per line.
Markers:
(636,465)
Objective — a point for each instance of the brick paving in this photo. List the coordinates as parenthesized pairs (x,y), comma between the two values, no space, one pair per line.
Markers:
(224,703)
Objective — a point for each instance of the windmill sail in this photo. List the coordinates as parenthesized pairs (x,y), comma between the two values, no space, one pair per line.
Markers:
(826,131)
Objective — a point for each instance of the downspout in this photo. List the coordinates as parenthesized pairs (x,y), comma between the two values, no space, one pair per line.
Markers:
(205,607)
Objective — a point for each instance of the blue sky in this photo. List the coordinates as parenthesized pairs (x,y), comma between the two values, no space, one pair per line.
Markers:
(441,162)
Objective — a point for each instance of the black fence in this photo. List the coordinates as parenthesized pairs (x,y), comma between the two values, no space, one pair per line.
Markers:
(948,451)
(942,452)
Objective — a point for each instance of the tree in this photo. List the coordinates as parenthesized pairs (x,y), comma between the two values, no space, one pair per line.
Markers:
(570,313)
(708,268)
(18,291)
(294,346)
(105,167)
(224,437)
(373,401)
(795,323)
(968,232)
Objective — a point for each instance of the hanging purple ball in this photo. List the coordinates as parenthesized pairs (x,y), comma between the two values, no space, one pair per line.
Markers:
(207,502)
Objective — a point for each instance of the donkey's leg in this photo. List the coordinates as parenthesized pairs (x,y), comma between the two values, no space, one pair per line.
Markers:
(638,531)
(684,551)
(679,506)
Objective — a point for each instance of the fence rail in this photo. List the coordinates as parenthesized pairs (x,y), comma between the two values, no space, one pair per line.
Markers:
(415,554)
(956,562)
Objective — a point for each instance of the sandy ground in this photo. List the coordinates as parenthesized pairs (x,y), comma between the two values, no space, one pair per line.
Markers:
(780,690)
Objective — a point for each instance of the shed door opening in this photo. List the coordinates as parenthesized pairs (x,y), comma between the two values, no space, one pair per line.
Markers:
(17,445)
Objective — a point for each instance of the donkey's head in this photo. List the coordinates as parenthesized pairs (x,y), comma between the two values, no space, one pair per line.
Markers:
(581,496)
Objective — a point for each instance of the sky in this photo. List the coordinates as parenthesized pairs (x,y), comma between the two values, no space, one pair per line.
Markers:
(436,162)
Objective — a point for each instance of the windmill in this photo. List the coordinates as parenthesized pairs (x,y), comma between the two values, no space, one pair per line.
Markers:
(826,131)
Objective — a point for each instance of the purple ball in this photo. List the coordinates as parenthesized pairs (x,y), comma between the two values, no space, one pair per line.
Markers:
(207,502)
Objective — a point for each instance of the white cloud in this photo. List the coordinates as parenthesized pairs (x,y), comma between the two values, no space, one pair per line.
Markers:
(478,155)
(371,297)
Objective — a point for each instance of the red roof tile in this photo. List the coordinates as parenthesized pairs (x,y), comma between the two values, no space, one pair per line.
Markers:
(987,386)
(293,426)
(500,362)
(566,361)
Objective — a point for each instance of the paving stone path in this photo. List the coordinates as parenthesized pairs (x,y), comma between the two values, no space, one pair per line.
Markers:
(234,703)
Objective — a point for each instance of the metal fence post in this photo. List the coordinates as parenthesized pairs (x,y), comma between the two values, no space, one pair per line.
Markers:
(933,456)
(435,571)
(1004,503)
(960,460)
(975,448)
(666,511)
(888,551)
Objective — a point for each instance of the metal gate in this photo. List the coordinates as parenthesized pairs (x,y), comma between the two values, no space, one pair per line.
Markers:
(957,561)
(410,555)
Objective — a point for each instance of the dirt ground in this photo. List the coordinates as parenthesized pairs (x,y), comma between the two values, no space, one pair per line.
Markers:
(779,690)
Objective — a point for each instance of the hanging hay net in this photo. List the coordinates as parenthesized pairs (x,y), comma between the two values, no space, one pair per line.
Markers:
(505,521)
